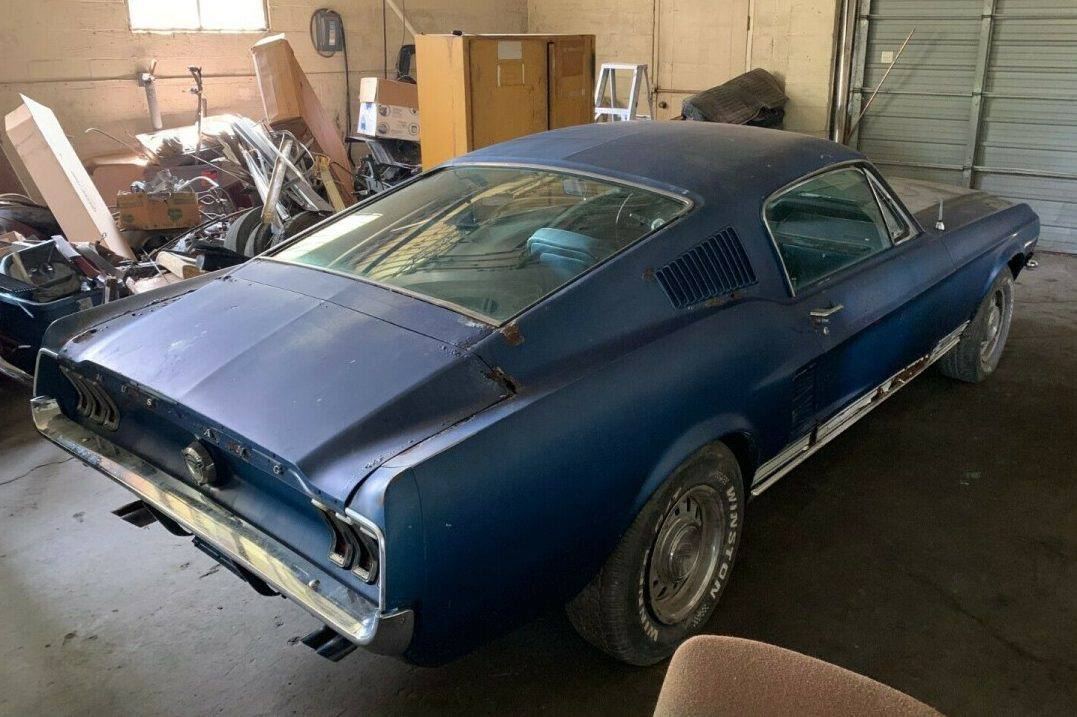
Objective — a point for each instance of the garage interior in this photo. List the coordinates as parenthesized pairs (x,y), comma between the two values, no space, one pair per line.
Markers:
(931,547)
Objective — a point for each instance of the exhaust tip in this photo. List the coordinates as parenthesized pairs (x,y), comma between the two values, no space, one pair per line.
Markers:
(329,643)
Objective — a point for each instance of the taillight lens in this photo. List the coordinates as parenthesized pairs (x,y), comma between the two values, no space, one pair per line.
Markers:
(351,546)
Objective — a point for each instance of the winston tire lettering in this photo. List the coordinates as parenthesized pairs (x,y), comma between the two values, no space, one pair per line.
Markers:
(730,543)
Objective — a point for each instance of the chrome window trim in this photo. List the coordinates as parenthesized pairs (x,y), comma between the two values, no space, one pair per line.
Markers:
(857,164)
(913,229)
(688,205)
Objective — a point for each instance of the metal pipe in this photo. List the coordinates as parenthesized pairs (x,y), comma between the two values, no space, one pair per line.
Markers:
(839,102)
(146,80)
(275,184)
(886,74)
(397,11)
(860,62)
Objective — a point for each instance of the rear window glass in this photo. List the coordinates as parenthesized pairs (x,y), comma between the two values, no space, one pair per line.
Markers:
(490,241)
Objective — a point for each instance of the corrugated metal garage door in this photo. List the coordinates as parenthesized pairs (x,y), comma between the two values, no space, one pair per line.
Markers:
(984,95)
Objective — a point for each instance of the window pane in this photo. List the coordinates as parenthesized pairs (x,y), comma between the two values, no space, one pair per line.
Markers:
(490,240)
(827,224)
(158,15)
(233,14)
(895,224)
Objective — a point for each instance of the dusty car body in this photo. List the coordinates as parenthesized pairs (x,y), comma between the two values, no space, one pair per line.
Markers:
(420,473)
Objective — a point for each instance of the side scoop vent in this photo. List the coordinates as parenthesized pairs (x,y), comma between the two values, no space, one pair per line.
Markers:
(715,267)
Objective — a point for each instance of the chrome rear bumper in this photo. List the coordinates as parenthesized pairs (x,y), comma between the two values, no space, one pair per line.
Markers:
(337,605)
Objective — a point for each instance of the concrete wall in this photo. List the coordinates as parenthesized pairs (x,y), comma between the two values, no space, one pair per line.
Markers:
(80,58)
(623,29)
(793,39)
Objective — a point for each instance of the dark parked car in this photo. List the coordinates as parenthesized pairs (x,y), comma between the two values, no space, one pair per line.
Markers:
(551,371)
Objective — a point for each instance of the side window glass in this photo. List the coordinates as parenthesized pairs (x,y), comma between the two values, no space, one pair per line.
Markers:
(826,224)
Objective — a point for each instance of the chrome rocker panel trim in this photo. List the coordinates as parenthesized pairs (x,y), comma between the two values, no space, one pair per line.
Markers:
(800,450)
(337,605)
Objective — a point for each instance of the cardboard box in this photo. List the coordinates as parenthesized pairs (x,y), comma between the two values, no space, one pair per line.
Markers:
(291,103)
(388,109)
(13,176)
(10,241)
(281,86)
(160,210)
(48,156)
(114,173)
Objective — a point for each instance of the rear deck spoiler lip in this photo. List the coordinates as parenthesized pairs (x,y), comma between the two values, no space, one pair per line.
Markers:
(320,593)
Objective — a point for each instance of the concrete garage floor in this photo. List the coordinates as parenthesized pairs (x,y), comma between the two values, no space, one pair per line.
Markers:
(932,547)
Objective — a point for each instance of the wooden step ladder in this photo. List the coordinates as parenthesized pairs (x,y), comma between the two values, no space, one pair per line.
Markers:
(607,78)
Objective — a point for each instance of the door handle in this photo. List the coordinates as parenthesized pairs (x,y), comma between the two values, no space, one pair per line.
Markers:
(821,317)
(827,312)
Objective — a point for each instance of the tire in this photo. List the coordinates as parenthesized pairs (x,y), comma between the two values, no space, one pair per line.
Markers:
(239,231)
(260,239)
(629,609)
(978,352)
(298,223)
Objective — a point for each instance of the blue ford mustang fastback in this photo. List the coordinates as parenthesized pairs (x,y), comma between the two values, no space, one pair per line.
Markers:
(550,371)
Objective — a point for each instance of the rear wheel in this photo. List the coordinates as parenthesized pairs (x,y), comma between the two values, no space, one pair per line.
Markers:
(665,577)
(977,354)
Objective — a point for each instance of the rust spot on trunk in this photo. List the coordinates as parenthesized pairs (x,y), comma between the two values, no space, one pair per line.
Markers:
(512,334)
(506,381)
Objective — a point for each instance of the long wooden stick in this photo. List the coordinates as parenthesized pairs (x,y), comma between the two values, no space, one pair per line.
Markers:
(864,111)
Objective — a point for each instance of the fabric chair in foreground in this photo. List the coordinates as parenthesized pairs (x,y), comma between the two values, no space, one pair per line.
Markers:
(715,676)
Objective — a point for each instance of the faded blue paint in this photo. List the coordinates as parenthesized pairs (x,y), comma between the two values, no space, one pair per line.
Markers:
(504,465)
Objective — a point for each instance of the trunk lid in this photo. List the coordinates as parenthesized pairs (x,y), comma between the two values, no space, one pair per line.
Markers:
(323,375)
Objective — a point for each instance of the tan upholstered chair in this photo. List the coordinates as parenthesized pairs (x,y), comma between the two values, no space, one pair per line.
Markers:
(713,676)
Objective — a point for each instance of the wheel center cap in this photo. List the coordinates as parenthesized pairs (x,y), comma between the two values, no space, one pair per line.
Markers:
(683,553)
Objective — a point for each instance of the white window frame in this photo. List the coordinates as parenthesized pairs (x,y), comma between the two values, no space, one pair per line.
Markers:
(201,29)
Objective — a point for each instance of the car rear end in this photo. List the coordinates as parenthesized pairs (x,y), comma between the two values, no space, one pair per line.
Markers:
(243,505)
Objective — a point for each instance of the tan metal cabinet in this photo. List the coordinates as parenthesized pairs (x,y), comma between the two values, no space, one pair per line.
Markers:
(477,90)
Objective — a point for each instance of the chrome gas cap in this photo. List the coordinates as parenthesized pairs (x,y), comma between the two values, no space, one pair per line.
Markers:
(200,464)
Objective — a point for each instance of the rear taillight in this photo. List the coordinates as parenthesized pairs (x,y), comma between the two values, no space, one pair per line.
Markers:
(351,546)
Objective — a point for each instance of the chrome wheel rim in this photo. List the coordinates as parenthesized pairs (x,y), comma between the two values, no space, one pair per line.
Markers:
(995,313)
(684,554)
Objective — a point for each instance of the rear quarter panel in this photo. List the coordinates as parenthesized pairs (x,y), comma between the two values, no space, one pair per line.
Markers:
(523,502)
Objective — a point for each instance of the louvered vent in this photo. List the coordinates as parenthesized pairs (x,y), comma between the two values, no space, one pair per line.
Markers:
(94,403)
(716,267)
(803,404)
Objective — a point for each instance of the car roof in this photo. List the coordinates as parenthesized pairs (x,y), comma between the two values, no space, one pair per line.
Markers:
(713,160)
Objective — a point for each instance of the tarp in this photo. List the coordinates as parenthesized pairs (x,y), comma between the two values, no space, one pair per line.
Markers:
(754,98)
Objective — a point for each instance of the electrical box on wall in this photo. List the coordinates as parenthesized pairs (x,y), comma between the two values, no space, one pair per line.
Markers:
(327,31)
